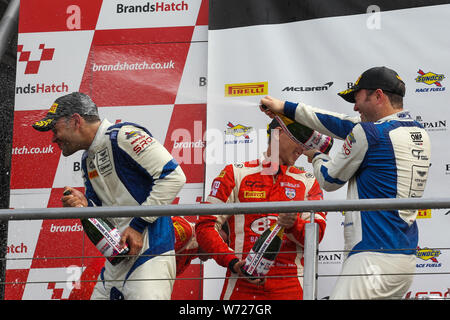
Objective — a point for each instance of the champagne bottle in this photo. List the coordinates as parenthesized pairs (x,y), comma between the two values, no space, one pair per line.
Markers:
(307,137)
(264,252)
(105,236)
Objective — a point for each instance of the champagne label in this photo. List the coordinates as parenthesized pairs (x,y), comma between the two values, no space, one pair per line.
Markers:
(110,244)
(255,263)
(264,266)
(105,248)
(318,141)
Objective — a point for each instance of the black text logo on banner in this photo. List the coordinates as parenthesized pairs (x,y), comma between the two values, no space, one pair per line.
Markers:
(323,87)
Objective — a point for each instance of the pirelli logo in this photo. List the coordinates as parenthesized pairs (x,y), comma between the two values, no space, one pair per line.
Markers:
(424,214)
(254,194)
(179,230)
(246,89)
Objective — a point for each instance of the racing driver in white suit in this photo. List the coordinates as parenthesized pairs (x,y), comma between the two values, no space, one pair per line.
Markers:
(123,165)
(385,154)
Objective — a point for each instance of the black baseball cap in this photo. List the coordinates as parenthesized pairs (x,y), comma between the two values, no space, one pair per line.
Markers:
(376,78)
(75,102)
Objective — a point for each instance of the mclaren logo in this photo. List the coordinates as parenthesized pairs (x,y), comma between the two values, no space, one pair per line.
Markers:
(246,89)
(324,87)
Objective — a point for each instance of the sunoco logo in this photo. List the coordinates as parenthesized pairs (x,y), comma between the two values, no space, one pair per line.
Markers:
(431,79)
(246,89)
(428,255)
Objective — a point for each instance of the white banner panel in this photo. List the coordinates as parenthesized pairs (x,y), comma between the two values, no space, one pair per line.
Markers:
(309,61)
(140,61)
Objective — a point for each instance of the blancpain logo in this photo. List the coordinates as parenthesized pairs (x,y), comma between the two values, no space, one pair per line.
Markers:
(436,125)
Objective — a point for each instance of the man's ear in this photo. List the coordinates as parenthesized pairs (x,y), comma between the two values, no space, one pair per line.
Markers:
(77,119)
(380,95)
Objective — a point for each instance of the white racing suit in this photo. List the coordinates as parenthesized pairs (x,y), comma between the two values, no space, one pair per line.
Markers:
(389,158)
(126,166)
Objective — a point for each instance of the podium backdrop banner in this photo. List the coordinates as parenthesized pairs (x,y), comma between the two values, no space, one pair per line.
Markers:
(140,61)
(308,51)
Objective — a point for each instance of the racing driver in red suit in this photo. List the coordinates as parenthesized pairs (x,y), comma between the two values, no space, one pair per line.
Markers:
(274,178)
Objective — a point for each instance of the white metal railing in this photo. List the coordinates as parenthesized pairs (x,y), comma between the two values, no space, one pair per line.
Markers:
(311,231)
(227,208)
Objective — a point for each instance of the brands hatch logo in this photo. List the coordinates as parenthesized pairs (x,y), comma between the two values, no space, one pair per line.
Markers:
(324,87)
(32,66)
(431,79)
(158,6)
(246,89)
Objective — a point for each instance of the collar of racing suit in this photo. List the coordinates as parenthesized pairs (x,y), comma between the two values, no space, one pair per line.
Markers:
(97,142)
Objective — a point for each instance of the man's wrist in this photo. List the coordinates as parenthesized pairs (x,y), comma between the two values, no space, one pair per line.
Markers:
(138,224)
(289,109)
(232,263)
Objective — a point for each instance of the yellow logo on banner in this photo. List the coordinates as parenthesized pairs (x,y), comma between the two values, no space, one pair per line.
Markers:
(430,78)
(246,89)
(427,254)
(424,214)
(238,130)
(254,194)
